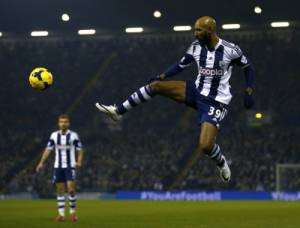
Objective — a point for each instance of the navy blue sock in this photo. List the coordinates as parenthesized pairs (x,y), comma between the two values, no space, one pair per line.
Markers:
(142,95)
(216,155)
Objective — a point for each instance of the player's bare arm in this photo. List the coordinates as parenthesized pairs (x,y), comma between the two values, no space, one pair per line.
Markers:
(45,156)
(80,158)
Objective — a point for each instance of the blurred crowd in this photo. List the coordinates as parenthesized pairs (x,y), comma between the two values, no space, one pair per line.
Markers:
(146,149)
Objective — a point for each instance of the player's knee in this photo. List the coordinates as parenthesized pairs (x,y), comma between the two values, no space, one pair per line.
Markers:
(60,190)
(206,147)
(71,189)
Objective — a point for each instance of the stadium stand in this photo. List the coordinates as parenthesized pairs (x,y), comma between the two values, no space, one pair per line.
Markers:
(143,151)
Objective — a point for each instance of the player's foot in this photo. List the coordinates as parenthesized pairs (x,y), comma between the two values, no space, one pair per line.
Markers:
(60,218)
(225,172)
(73,217)
(110,110)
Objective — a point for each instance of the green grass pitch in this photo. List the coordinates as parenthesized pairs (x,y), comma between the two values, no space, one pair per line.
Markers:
(153,214)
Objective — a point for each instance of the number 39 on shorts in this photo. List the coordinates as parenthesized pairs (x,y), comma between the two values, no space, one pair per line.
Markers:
(217,113)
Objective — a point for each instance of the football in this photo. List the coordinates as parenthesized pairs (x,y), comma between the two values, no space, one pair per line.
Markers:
(40,78)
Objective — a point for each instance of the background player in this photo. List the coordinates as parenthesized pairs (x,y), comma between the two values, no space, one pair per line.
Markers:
(209,94)
(65,143)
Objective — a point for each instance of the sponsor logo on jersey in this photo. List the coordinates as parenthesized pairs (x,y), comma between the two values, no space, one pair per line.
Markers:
(63,147)
(211,72)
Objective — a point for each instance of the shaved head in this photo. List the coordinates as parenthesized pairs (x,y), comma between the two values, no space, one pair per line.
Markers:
(205,30)
(207,23)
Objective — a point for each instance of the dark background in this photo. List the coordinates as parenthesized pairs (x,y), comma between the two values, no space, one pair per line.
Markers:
(22,16)
(146,150)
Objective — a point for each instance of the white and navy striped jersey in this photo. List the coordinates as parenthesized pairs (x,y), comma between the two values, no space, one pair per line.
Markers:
(214,68)
(65,147)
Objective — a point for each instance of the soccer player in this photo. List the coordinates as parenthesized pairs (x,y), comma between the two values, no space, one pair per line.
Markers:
(65,143)
(209,94)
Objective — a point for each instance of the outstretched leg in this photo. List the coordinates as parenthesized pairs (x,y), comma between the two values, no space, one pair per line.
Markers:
(171,89)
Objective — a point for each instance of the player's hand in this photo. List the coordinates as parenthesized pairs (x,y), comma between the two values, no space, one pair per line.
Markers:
(39,167)
(78,164)
(248,98)
(156,78)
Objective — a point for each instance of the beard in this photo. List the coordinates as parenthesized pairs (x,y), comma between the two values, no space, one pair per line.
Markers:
(204,40)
